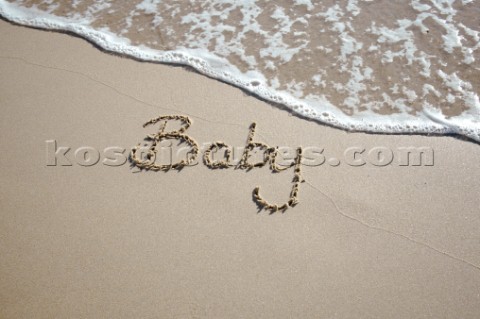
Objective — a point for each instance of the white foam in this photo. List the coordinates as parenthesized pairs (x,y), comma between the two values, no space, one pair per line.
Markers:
(317,107)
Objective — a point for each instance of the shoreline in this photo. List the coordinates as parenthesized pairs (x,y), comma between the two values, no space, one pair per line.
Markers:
(396,123)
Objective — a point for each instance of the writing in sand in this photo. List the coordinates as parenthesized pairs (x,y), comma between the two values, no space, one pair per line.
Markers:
(269,157)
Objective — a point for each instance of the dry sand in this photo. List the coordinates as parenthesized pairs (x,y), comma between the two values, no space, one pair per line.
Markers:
(105,242)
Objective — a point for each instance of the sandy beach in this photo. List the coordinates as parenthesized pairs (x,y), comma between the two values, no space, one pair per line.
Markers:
(369,241)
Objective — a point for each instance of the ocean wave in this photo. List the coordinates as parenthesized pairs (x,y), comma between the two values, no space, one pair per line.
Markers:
(377,66)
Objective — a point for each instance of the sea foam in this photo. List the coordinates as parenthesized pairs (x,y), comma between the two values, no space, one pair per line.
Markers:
(376,66)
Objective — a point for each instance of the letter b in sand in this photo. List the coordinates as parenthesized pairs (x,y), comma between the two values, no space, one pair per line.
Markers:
(156,138)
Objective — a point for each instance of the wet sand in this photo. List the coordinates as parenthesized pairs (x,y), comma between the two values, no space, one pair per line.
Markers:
(100,241)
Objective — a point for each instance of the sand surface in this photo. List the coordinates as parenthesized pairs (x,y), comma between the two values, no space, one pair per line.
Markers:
(109,242)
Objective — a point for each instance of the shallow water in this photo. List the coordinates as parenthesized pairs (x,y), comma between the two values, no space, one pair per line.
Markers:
(372,65)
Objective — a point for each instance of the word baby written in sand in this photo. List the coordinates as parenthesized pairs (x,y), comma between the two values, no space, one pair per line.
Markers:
(269,156)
